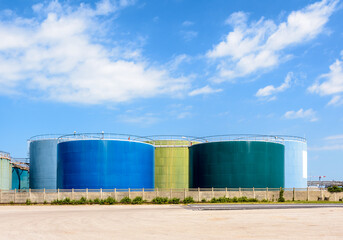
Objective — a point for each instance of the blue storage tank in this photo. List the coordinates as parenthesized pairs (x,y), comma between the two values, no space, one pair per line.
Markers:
(107,162)
(20,178)
(43,161)
(295,162)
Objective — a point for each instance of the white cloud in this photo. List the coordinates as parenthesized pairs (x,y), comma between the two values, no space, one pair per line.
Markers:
(332,84)
(59,55)
(259,46)
(334,137)
(308,114)
(141,119)
(187,23)
(204,90)
(336,101)
(189,35)
(331,147)
(269,90)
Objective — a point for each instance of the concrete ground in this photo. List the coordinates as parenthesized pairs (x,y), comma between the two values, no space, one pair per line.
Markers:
(166,222)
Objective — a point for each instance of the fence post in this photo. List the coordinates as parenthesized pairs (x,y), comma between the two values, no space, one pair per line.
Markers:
(58,193)
(308,194)
(15,191)
(267,194)
(171,193)
(72,194)
(226,192)
(87,193)
(115,193)
(156,192)
(129,193)
(100,193)
(253,192)
(30,194)
(212,193)
(240,192)
(198,194)
(293,194)
(44,195)
(143,194)
(322,194)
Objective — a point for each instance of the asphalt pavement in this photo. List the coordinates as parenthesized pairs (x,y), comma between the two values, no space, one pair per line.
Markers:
(206,207)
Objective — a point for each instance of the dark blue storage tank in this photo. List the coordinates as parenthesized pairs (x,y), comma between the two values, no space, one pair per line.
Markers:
(43,161)
(104,163)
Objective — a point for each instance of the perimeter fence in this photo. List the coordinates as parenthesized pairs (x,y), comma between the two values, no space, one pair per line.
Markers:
(198,194)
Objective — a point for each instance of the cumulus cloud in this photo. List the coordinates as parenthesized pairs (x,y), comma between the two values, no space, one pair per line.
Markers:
(260,45)
(308,114)
(204,91)
(268,91)
(332,85)
(60,55)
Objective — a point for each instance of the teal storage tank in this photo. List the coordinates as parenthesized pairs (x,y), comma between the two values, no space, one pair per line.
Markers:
(20,178)
(244,162)
(5,171)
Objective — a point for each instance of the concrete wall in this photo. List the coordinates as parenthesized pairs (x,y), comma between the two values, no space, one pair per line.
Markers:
(39,196)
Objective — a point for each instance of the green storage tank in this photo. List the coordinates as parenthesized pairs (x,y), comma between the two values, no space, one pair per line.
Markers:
(237,163)
(5,171)
(171,161)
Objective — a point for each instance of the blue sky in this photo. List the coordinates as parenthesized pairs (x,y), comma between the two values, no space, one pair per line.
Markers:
(174,67)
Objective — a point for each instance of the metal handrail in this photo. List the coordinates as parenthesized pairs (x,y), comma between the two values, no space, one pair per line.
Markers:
(244,137)
(293,138)
(49,136)
(102,136)
(5,155)
(173,140)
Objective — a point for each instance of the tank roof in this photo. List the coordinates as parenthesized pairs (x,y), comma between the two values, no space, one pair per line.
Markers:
(49,136)
(102,136)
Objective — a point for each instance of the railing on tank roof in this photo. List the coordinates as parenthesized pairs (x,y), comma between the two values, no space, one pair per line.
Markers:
(102,136)
(172,140)
(293,138)
(45,137)
(5,155)
(243,137)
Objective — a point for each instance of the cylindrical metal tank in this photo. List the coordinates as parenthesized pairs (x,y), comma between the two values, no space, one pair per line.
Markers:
(295,162)
(5,171)
(104,161)
(20,178)
(171,161)
(43,161)
(237,161)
